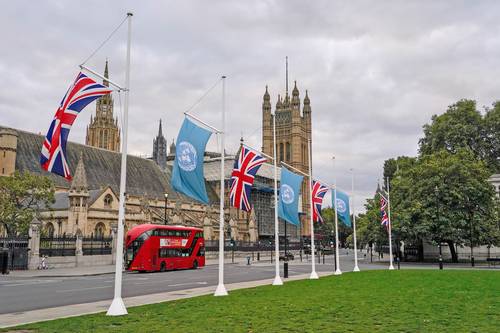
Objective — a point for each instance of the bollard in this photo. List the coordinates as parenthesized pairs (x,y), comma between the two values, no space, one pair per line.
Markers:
(440,263)
(248,260)
(258,256)
(472,261)
(271,257)
(285,269)
(253,257)
(323,258)
(399,262)
(301,255)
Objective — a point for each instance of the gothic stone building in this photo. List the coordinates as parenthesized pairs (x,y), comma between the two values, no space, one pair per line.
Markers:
(293,134)
(89,204)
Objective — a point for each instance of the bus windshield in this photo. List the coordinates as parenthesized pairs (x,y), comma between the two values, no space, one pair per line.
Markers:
(134,247)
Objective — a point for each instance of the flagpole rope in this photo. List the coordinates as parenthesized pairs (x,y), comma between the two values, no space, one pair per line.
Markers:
(203,96)
(105,41)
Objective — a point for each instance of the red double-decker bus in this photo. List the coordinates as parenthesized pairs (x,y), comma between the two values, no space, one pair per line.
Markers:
(153,247)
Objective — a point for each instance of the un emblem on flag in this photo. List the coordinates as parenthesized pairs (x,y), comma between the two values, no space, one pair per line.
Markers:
(186,156)
(341,206)
(287,194)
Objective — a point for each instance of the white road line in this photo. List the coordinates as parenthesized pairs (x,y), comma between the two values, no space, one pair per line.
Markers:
(186,284)
(82,289)
(151,282)
(29,283)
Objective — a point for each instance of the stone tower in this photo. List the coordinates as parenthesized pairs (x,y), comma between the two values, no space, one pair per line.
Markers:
(8,151)
(293,133)
(78,195)
(103,131)
(160,149)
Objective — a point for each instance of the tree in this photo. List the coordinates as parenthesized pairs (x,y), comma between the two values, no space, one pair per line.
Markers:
(463,126)
(368,227)
(22,196)
(445,197)
(492,130)
(327,228)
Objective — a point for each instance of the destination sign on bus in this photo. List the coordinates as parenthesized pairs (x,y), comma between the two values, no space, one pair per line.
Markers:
(172,242)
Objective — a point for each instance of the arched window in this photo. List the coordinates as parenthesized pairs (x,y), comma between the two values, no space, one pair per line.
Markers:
(282,158)
(288,153)
(108,200)
(49,229)
(99,230)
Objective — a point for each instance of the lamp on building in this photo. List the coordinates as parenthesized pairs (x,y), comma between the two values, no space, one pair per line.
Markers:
(166,202)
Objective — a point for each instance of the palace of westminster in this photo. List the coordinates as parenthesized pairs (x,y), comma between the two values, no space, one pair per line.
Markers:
(88,205)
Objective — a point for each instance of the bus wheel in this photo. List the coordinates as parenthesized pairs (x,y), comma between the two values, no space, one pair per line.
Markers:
(163,267)
(195,264)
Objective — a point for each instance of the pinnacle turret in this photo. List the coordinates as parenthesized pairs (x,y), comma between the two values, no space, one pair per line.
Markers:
(106,74)
(79,183)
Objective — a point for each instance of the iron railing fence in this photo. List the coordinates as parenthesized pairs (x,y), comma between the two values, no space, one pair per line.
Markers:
(58,246)
(242,246)
(96,245)
(17,252)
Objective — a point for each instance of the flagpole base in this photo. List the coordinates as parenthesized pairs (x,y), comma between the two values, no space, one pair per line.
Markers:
(338,272)
(117,308)
(391,267)
(277,281)
(314,276)
(356,269)
(221,290)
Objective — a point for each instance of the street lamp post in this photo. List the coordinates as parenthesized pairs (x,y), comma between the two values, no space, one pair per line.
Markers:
(166,202)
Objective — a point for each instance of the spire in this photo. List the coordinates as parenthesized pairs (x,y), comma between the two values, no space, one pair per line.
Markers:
(267,98)
(295,91)
(79,182)
(295,97)
(172,148)
(159,130)
(106,74)
(278,103)
(307,101)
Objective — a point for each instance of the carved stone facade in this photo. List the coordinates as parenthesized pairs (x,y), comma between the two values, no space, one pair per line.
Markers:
(293,134)
(103,131)
(89,204)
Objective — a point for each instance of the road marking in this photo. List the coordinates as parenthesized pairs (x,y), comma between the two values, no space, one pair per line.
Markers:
(187,284)
(28,283)
(82,289)
(151,282)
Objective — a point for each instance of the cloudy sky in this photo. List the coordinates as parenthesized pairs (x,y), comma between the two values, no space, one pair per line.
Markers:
(376,71)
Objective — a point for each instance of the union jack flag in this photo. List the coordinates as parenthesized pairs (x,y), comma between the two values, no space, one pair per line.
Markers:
(383,212)
(318,192)
(245,168)
(82,92)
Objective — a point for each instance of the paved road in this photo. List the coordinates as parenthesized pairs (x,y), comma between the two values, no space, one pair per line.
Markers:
(18,294)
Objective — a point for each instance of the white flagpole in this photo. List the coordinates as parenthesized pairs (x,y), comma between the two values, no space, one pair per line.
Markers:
(277,279)
(337,261)
(117,307)
(221,289)
(314,275)
(356,268)
(391,266)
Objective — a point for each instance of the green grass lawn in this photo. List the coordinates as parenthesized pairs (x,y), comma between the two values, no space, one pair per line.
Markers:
(371,301)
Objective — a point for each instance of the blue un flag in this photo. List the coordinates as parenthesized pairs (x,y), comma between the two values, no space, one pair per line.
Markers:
(343,211)
(288,204)
(187,174)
